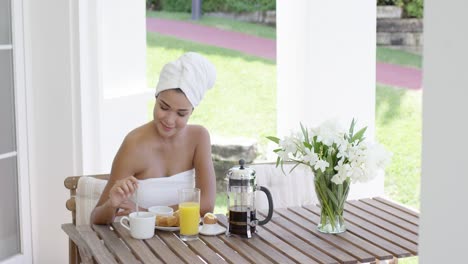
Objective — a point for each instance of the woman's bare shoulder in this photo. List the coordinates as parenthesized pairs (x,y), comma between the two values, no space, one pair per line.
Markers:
(137,138)
(198,132)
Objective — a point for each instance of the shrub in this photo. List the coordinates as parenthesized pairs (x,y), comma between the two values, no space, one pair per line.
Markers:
(238,6)
(176,5)
(411,8)
(389,2)
(235,6)
(153,4)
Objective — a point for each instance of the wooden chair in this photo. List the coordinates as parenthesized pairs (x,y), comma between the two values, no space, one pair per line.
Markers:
(78,252)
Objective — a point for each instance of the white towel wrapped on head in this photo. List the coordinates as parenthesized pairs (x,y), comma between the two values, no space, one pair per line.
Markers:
(192,73)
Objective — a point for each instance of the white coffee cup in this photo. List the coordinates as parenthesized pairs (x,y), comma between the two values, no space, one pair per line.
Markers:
(161,210)
(140,224)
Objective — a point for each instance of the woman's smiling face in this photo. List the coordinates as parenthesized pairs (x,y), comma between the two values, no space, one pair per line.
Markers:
(171,112)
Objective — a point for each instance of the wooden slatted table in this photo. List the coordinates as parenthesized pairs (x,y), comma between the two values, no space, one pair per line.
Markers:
(377,229)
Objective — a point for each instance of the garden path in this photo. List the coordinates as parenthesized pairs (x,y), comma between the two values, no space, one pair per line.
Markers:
(387,74)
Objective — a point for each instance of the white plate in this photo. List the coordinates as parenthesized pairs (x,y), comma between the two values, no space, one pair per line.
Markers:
(168,228)
(211,230)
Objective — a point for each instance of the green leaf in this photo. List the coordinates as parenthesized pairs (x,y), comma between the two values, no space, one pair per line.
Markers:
(295,166)
(307,145)
(351,128)
(359,135)
(332,197)
(330,168)
(305,133)
(346,191)
(340,194)
(277,150)
(278,161)
(274,139)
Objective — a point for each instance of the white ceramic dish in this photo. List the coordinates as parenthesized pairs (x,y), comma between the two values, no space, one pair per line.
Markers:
(161,210)
(168,228)
(211,229)
(173,228)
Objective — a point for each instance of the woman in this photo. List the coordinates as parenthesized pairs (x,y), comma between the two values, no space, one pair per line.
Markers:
(166,154)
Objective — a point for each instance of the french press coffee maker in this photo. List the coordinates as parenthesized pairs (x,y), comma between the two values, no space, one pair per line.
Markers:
(241,188)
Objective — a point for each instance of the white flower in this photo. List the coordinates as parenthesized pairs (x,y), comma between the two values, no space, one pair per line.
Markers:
(322,165)
(357,161)
(283,155)
(288,145)
(310,157)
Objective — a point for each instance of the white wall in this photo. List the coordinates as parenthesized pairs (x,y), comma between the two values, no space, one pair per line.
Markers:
(444,179)
(326,68)
(51,108)
(114,95)
(326,62)
(123,63)
(78,112)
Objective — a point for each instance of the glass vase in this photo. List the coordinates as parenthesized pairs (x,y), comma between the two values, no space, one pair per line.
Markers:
(332,198)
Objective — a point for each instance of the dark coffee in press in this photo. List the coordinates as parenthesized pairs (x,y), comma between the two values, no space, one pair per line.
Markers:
(238,220)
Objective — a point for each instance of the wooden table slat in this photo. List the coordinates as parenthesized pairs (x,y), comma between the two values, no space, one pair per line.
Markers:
(114,244)
(378,222)
(375,251)
(138,246)
(342,249)
(262,246)
(162,250)
(257,254)
(100,253)
(205,252)
(377,229)
(229,254)
(308,249)
(245,250)
(179,247)
(386,216)
(336,240)
(273,254)
(397,206)
(85,251)
(392,210)
(372,238)
(282,246)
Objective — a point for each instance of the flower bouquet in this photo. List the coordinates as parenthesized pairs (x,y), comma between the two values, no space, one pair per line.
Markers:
(337,157)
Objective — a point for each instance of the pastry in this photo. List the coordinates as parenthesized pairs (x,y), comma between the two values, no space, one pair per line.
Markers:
(210,219)
(168,220)
(161,220)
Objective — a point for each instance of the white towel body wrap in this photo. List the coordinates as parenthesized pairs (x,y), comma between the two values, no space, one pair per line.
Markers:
(164,190)
(153,191)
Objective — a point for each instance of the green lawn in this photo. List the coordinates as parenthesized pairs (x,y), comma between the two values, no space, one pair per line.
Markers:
(221,23)
(399,128)
(399,57)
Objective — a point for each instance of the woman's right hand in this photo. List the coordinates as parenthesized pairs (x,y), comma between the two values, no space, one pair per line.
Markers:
(122,190)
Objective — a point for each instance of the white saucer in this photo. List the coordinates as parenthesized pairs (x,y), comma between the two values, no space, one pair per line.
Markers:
(168,228)
(211,229)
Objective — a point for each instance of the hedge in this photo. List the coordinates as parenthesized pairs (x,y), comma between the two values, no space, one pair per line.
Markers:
(234,6)
(411,8)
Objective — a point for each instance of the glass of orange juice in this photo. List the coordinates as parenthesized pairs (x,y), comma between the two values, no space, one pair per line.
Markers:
(189,213)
